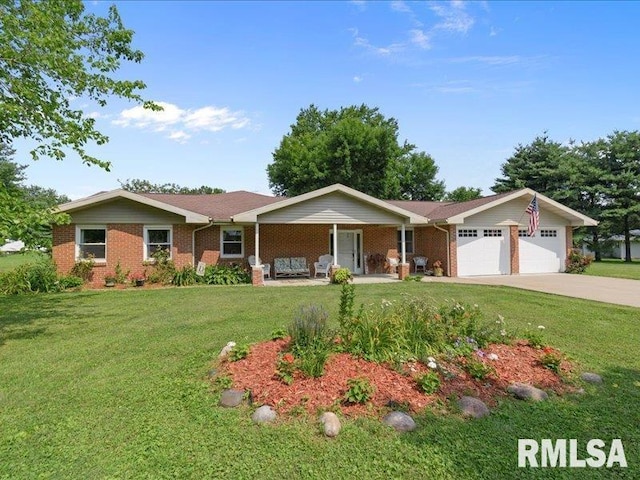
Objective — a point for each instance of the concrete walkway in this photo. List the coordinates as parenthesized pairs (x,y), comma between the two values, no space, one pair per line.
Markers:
(602,289)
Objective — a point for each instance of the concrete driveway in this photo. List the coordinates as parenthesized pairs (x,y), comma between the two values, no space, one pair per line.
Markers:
(602,289)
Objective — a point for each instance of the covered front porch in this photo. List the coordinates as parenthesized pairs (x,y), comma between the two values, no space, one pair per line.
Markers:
(350,226)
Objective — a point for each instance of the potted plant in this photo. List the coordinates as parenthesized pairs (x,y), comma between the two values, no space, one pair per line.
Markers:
(438,271)
(110,279)
(138,279)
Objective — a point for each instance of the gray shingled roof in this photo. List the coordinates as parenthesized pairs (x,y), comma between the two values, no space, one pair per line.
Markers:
(219,206)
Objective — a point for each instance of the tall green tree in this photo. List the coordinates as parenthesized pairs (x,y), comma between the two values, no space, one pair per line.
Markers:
(50,52)
(463,194)
(618,161)
(356,146)
(137,185)
(26,212)
(537,165)
(417,173)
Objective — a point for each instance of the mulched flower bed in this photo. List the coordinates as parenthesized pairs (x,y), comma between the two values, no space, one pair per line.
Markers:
(516,363)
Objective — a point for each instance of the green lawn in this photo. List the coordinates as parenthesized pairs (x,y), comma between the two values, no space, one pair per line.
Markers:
(615,268)
(111,385)
(12,260)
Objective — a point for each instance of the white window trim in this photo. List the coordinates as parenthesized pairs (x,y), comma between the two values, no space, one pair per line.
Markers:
(79,229)
(231,227)
(413,240)
(145,229)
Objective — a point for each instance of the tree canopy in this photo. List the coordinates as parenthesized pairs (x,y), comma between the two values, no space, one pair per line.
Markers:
(26,212)
(52,51)
(137,185)
(356,146)
(600,178)
(463,194)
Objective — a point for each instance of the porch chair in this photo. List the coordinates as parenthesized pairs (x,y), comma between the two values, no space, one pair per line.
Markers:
(420,262)
(266,267)
(323,265)
(393,263)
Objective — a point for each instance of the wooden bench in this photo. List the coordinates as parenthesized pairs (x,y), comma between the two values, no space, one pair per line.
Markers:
(291,267)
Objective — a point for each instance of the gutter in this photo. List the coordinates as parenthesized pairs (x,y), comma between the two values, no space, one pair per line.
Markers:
(193,240)
(448,248)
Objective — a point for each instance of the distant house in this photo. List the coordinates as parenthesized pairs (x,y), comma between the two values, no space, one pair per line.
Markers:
(619,250)
(486,236)
(12,246)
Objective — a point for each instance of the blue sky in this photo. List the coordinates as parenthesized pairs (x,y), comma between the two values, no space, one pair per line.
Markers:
(466,81)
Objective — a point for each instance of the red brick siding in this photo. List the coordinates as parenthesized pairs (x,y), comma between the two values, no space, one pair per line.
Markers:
(64,247)
(433,243)
(515,249)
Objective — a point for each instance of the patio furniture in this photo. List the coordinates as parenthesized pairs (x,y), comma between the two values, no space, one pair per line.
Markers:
(291,267)
(323,265)
(420,262)
(266,267)
(392,264)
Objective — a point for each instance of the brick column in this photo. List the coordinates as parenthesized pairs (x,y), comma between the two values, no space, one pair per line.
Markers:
(257,276)
(403,270)
(515,249)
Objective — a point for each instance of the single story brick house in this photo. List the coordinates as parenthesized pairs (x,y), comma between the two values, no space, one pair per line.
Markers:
(486,236)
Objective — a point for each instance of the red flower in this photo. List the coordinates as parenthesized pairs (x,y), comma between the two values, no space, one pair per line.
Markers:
(289,358)
(547,350)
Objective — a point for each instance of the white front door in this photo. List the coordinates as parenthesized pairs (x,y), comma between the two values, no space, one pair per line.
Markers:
(350,250)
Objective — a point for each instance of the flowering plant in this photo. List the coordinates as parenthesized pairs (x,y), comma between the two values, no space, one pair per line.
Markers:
(138,276)
(437,264)
(285,368)
(110,276)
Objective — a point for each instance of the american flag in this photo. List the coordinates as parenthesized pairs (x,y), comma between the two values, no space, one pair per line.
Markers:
(534,216)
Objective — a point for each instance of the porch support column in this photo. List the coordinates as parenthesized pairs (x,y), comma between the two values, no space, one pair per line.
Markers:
(334,266)
(403,268)
(257,273)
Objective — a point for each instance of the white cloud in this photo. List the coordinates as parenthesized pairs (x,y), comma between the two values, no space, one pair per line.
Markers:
(421,39)
(181,123)
(453,17)
(400,6)
(489,60)
(357,79)
(362,42)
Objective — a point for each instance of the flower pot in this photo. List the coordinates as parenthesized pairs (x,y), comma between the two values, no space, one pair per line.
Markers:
(109,283)
(438,272)
(139,283)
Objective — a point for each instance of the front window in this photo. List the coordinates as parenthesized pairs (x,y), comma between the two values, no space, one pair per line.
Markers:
(408,240)
(231,242)
(156,238)
(91,242)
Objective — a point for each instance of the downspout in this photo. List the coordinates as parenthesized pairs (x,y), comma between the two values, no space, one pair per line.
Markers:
(193,241)
(448,248)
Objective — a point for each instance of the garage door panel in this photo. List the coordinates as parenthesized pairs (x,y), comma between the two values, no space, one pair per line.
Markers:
(542,253)
(483,251)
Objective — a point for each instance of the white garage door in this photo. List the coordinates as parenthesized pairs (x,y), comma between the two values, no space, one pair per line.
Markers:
(543,253)
(483,251)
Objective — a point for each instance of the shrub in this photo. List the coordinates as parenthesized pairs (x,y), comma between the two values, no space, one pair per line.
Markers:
(163,267)
(186,276)
(311,339)
(83,268)
(120,275)
(477,369)
(576,262)
(286,367)
(413,278)
(279,333)
(429,382)
(342,276)
(238,353)
(40,276)
(551,360)
(359,390)
(70,281)
(225,275)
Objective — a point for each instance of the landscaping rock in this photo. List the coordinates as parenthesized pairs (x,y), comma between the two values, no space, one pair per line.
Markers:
(330,424)
(264,414)
(231,398)
(525,391)
(213,372)
(591,378)
(473,407)
(224,353)
(400,421)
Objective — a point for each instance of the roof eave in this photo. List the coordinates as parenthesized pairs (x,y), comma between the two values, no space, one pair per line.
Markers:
(189,216)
